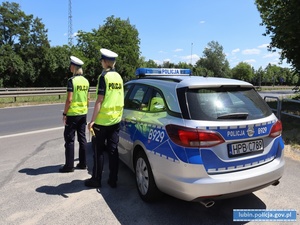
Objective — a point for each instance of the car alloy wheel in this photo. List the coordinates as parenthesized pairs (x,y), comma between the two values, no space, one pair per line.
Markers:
(142,177)
(145,182)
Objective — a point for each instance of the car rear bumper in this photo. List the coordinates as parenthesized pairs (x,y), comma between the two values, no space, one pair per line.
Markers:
(221,185)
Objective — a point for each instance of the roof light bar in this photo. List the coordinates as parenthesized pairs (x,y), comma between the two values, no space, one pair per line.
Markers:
(162,72)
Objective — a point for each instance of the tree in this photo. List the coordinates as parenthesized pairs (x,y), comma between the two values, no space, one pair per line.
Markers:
(183,65)
(14,23)
(295,80)
(259,76)
(33,50)
(55,69)
(11,66)
(214,61)
(282,20)
(200,71)
(243,71)
(24,44)
(279,76)
(288,76)
(167,64)
(117,35)
(147,64)
(272,73)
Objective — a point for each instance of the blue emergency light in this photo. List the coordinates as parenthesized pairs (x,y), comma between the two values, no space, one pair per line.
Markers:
(162,72)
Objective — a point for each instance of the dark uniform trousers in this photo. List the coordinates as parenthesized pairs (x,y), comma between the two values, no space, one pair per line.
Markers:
(75,124)
(110,136)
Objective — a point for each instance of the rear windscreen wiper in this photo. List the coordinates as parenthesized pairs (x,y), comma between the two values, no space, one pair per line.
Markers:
(234,116)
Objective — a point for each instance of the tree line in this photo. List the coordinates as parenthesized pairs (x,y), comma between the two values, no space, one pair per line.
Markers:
(28,59)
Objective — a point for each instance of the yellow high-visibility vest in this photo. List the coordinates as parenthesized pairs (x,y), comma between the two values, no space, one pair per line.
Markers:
(112,106)
(79,104)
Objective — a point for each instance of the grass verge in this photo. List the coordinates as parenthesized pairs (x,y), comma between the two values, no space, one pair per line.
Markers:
(33,100)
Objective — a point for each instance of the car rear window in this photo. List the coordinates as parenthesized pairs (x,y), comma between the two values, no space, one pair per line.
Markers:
(226,104)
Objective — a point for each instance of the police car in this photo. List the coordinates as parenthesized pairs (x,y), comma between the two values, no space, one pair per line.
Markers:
(198,138)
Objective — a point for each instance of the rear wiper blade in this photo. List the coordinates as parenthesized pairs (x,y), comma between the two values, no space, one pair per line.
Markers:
(234,116)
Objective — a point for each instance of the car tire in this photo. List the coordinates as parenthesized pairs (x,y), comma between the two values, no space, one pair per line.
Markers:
(145,182)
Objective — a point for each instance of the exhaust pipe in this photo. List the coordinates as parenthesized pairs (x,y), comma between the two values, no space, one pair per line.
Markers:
(276,183)
(207,203)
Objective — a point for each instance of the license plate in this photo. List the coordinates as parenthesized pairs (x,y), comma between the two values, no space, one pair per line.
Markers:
(245,147)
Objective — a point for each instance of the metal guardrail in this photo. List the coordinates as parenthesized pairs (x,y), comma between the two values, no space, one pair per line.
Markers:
(31,89)
(296,89)
(25,92)
(286,113)
(279,110)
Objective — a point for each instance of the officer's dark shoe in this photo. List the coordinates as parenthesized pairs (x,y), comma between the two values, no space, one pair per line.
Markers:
(112,184)
(65,169)
(93,183)
(81,166)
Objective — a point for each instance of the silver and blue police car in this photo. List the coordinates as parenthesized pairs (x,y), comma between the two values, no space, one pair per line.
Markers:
(198,138)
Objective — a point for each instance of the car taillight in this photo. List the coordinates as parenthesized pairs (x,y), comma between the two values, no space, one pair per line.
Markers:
(189,137)
(276,129)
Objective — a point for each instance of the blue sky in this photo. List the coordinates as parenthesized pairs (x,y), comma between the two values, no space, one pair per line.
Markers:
(175,31)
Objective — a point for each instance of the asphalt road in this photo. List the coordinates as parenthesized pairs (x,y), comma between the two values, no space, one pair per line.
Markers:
(277,93)
(33,192)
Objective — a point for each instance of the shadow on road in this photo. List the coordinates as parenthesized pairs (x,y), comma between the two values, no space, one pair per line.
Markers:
(129,209)
(41,170)
(63,189)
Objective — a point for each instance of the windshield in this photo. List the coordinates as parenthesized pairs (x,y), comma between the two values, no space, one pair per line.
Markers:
(226,104)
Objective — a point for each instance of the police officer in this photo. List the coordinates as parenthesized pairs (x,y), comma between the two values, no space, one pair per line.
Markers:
(106,120)
(74,116)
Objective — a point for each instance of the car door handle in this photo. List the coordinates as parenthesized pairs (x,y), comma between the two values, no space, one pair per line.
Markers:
(133,119)
(130,120)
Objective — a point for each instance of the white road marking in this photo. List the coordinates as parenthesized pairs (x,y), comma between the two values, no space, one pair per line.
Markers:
(31,132)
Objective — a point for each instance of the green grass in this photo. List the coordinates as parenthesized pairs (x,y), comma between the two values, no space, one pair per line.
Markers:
(291,131)
(34,100)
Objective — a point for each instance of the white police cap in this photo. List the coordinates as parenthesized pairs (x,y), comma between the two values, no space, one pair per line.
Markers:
(108,54)
(75,61)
